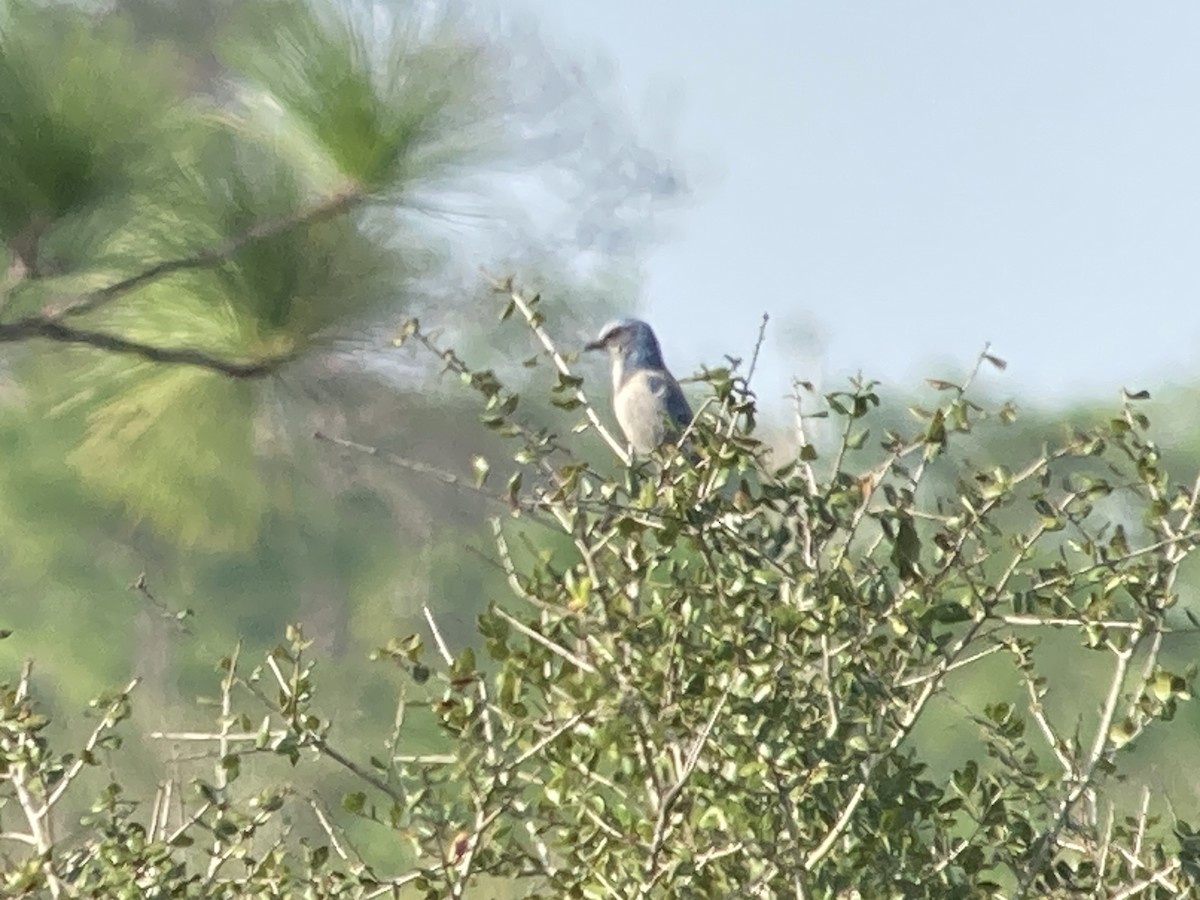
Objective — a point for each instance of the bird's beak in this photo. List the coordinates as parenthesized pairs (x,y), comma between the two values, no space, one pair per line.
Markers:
(594,345)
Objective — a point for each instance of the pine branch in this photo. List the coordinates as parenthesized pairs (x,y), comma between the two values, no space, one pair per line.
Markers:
(36,328)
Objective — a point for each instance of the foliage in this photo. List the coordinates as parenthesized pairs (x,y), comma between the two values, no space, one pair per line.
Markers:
(707,682)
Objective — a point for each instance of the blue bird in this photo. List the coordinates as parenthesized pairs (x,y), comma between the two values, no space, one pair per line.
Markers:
(648,402)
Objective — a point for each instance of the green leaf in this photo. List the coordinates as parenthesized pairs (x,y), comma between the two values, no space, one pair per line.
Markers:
(906,548)
(481,468)
(1121,733)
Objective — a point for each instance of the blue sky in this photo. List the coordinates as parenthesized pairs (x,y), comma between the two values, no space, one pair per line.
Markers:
(897,183)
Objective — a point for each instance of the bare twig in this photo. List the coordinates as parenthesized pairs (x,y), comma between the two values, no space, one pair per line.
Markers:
(179,619)
(940,671)
(340,845)
(1143,811)
(758,344)
(402,462)
(211,736)
(162,809)
(556,648)
(189,822)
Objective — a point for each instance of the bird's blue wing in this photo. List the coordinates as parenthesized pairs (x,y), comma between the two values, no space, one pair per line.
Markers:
(677,405)
(667,388)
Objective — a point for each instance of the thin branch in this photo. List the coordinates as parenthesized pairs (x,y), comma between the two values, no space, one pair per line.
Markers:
(394,884)
(18,837)
(49,325)
(425,759)
(438,640)
(340,846)
(831,700)
(839,826)
(320,743)
(903,728)
(1105,844)
(604,826)
(222,775)
(412,465)
(210,736)
(671,795)
(1087,771)
(187,823)
(1143,811)
(535,325)
(539,845)
(489,733)
(179,619)
(758,344)
(1039,715)
(558,649)
(789,824)
(1056,621)
(328,208)
(1159,877)
(940,670)
(548,739)
(162,809)
(72,773)
(326,749)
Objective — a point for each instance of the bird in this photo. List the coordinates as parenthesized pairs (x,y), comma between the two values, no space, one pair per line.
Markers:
(647,400)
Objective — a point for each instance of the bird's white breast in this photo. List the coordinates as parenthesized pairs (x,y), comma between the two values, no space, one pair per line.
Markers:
(637,403)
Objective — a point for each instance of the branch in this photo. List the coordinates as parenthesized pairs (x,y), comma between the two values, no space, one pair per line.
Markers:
(555,648)
(41,328)
(331,206)
(340,845)
(49,324)
(1087,772)
(758,343)
(107,721)
(1038,712)
(535,325)
(671,795)
(19,776)
(493,753)
(404,462)
(309,738)
(905,725)
(226,725)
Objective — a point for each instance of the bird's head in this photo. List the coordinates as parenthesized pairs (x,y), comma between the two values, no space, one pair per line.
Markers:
(630,341)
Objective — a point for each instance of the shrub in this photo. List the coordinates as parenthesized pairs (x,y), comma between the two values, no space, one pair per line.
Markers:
(722,672)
